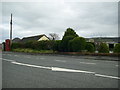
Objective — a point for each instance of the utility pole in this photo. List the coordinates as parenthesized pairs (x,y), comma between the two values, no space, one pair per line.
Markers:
(11,30)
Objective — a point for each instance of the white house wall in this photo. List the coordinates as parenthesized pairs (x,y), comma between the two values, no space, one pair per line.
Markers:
(43,38)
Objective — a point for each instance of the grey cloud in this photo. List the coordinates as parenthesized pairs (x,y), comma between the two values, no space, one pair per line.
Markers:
(87,19)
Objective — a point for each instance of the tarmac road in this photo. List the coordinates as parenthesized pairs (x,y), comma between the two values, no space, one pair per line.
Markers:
(22,70)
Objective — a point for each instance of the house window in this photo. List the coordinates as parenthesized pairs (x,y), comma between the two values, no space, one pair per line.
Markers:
(111,46)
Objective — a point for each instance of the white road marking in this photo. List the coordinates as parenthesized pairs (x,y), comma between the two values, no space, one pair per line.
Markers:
(69,70)
(60,69)
(60,60)
(30,65)
(16,55)
(107,76)
(7,60)
(52,68)
(87,63)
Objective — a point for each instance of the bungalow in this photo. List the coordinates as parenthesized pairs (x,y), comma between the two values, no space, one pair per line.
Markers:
(15,40)
(35,38)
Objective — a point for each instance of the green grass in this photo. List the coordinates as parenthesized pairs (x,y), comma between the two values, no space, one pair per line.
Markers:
(32,50)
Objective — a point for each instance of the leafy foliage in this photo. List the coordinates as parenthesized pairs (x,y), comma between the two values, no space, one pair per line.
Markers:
(77,44)
(103,48)
(117,48)
(16,45)
(90,47)
(68,35)
(56,46)
(64,43)
(70,32)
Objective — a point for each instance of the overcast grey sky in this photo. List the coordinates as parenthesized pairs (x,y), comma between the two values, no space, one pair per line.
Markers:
(88,19)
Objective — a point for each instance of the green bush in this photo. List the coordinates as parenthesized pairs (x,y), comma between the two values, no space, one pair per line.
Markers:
(70,32)
(77,44)
(90,47)
(117,48)
(16,45)
(56,46)
(37,45)
(103,48)
(70,49)
(41,45)
(29,44)
(64,43)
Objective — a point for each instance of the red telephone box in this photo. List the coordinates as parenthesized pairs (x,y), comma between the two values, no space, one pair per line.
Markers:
(7,45)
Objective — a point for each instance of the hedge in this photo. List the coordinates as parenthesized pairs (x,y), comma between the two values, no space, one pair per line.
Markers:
(117,48)
(103,48)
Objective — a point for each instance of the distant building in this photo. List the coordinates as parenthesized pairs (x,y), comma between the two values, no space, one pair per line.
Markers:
(16,40)
(110,41)
(35,38)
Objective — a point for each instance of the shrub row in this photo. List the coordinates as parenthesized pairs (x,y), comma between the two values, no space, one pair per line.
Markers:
(77,44)
(70,42)
(41,45)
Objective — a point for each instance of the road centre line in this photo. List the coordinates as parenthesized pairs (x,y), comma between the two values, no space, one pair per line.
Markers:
(16,55)
(107,76)
(30,65)
(87,63)
(70,70)
(65,70)
(53,68)
(60,60)
(7,60)
(60,69)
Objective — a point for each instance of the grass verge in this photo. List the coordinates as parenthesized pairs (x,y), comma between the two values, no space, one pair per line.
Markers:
(31,50)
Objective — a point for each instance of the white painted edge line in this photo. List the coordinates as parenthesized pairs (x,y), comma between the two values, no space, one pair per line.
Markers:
(87,63)
(60,60)
(60,69)
(70,70)
(16,55)
(52,68)
(29,65)
(40,58)
(107,76)
(7,60)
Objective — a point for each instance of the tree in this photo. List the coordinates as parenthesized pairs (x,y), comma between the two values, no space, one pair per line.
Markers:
(54,36)
(77,44)
(68,35)
(90,47)
(70,32)
(117,48)
(56,46)
(103,48)
(64,43)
